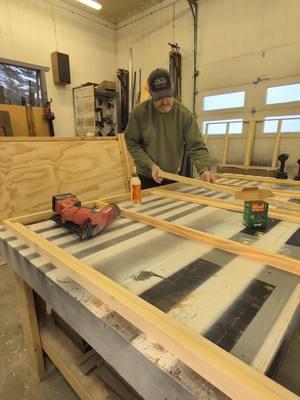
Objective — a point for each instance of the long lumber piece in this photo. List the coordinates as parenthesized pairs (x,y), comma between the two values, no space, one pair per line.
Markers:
(225,204)
(266,179)
(224,189)
(277,193)
(227,373)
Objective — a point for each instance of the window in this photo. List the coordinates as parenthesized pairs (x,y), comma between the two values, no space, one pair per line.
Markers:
(223,101)
(20,85)
(283,94)
(234,126)
(289,124)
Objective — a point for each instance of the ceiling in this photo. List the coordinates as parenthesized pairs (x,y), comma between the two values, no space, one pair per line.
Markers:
(116,10)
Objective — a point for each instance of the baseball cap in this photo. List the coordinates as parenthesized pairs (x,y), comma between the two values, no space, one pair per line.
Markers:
(160,84)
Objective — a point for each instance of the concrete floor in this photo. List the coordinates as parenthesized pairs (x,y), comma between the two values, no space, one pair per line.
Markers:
(16,379)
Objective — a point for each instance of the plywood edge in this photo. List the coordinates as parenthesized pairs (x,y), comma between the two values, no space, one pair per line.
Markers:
(221,369)
(58,139)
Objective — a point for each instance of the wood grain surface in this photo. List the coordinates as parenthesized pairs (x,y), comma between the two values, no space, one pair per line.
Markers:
(31,172)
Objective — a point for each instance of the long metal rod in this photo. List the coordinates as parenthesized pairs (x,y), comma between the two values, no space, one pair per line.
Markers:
(194,9)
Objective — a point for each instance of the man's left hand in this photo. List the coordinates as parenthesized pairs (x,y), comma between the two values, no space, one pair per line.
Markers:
(207,176)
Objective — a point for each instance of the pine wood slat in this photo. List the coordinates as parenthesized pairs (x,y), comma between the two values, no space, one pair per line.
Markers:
(225,204)
(277,192)
(265,179)
(224,189)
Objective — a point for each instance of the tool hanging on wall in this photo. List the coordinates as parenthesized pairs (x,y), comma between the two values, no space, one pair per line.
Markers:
(138,96)
(187,167)
(133,90)
(175,69)
(49,116)
(123,76)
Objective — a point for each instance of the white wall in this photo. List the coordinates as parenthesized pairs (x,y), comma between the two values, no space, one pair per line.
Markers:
(238,41)
(148,34)
(31,29)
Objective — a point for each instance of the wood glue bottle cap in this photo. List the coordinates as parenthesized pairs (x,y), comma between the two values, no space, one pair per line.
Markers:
(135,187)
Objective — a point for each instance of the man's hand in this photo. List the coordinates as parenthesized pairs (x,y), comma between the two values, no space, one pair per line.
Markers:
(207,176)
(155,173)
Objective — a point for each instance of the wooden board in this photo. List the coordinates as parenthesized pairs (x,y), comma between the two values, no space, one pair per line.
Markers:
(232,190)
(64,354)
(225,204)
(285,182)
(19,121)
(290,194)
(127,160)
(247,170)
(33,170)
(5,124)
(250,143)
(30,326)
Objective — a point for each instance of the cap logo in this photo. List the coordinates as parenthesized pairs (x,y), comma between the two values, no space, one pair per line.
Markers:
(160,83)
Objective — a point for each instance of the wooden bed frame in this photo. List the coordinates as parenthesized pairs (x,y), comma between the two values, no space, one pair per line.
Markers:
(230,375)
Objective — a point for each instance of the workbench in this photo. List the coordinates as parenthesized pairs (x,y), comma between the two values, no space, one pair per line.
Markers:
(242,306)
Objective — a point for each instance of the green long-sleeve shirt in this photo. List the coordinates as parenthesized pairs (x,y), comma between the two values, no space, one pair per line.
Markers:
(154,137)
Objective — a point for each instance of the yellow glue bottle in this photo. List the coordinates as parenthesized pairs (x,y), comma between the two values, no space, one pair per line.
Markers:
(135,187)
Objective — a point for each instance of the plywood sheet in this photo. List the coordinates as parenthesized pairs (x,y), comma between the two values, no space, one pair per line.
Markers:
(19,120)
(33,170)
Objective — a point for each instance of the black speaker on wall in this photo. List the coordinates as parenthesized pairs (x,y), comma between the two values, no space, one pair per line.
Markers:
(61,68)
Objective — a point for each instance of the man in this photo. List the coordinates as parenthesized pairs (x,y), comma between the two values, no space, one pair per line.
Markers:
(156,133)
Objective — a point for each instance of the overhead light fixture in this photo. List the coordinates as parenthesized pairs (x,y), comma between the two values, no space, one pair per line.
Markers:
(91,3)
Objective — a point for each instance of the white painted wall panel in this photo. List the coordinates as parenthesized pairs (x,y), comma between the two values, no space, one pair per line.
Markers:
(31,29)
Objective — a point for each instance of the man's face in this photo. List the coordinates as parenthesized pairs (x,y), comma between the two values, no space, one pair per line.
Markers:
(164,105)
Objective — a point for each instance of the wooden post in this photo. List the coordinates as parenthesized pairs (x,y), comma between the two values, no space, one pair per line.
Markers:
(250,142)
(225,154)
(205,136)
(30,327)
(277,144)
(127,161)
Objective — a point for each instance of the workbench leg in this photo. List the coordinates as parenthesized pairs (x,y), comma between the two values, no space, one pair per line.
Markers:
(30,327)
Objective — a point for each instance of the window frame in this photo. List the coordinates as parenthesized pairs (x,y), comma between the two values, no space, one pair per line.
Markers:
(226,108)
(291,103)
(40,68)
(255,98)
(221,121)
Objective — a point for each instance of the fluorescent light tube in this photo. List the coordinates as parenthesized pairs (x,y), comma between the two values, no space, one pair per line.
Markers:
(91,3)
